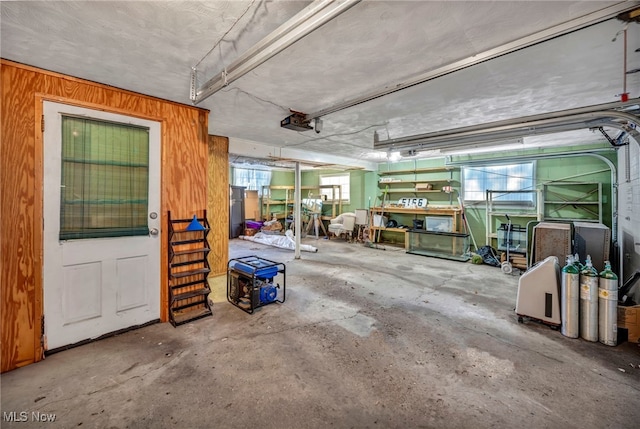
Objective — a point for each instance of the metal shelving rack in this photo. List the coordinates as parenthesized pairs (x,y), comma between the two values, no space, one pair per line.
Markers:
(411,185)
(285,205)
(572,201)
(494,212)
(188,269)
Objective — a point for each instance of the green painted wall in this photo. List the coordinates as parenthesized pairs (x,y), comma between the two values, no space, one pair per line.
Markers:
(282,178)
(362,185)
(279,178)
(358,187)
(366,191)
(580,169)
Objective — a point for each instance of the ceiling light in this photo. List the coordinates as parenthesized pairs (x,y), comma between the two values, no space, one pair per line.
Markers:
(303,23)
(394,156)
(491,146)
(603,115)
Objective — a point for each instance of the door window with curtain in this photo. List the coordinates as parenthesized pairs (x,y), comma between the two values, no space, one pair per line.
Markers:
(105,179)
(508,177)
(251,179)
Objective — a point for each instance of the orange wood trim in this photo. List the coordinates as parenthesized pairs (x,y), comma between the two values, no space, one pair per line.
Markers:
(95,106)
(218,203)
(5,62)
(164,249)
(38,226)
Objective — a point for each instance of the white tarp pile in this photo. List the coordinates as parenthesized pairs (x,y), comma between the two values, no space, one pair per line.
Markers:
(285,241)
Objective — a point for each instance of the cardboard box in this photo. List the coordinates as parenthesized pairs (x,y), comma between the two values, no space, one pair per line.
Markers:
(251,210)
(629,319)
(424,187)
(379,220)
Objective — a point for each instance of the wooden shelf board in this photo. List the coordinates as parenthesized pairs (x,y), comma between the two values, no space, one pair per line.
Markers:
(187,316)
(427,211)
(573,202)
(417,171)
(571,219)
(280,187)
(411,191)
(181,274)
(390,182)
(191,251)
(383,229)
(513,214)
(191,294)
(289,187)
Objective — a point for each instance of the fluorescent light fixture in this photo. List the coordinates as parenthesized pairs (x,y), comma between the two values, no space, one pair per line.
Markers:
(597,116)
(309,19)
(492,146)
(394,156)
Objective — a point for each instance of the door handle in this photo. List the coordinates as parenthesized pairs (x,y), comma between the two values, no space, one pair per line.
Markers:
(153,231)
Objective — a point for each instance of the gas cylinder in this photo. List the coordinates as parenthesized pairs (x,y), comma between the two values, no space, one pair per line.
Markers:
(570,300)
(589,302)
(576,262)
(608,306)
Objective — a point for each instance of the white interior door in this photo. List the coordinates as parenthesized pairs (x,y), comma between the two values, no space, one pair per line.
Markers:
(94,286)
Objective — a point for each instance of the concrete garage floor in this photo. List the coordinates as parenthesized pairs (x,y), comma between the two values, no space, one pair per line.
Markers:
(366,338)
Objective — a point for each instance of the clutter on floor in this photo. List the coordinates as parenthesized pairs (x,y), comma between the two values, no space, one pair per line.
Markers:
(579,300)
(357,323)
(343,224)
(271,226)
(285,241)
(629,309)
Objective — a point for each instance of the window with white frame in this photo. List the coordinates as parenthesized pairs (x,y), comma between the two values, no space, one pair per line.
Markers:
(251,179)
(504,177)
(330,193)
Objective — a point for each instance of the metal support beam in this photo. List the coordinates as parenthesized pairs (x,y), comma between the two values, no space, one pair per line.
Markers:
(524,42)
(602,115)
(309,19)
(296,210)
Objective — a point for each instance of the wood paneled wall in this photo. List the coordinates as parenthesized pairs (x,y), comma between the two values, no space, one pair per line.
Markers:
(218,210)
(184,186)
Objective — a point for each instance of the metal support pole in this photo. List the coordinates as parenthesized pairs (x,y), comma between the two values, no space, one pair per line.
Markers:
(296,210)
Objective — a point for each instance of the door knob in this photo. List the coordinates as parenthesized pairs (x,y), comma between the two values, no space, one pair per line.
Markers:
(153,231)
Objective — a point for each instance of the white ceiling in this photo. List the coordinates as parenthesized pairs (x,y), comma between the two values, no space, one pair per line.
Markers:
(151,46)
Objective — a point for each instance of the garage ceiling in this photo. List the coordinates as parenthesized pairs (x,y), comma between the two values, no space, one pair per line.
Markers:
(151,46)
